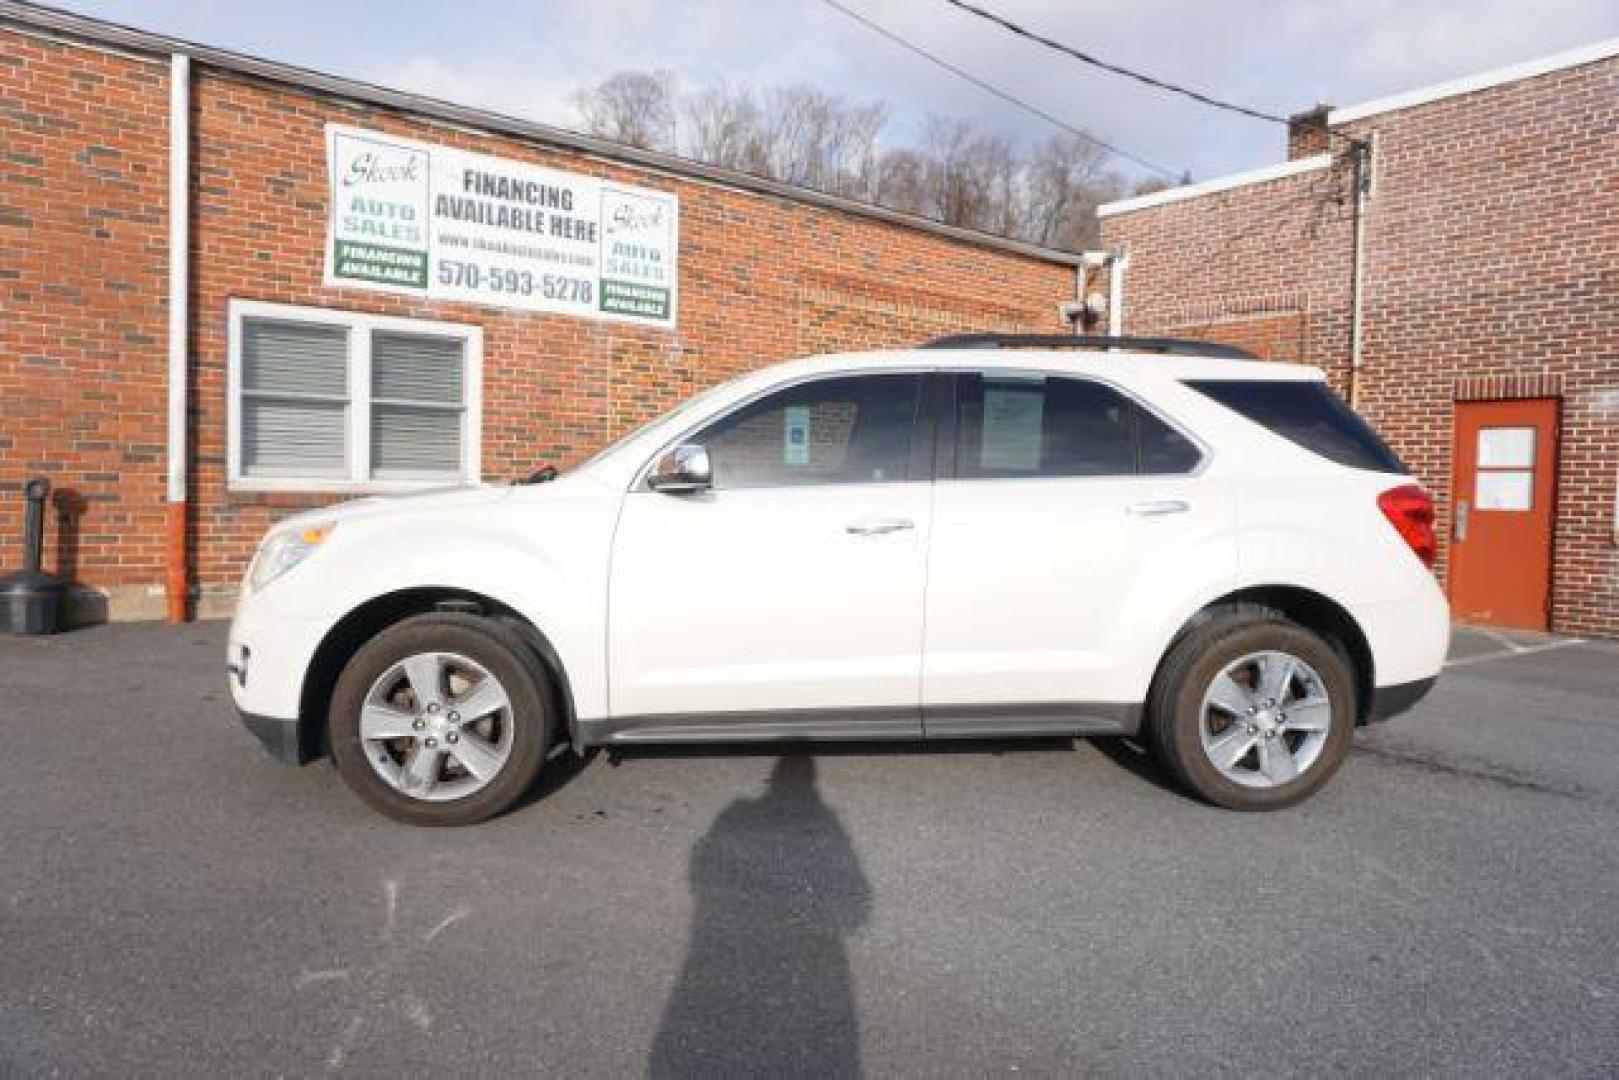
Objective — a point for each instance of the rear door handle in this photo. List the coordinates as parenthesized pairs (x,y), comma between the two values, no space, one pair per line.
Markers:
(878,526)
(1158,507)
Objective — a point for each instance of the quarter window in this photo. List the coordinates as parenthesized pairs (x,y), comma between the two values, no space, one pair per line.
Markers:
(1307,413)
(1028,425)
(854,430)
(328,400)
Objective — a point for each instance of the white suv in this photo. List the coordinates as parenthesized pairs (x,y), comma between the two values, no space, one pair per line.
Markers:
(987,537)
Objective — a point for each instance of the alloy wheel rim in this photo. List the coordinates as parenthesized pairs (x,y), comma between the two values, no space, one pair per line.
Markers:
(436,726)
(1265,719)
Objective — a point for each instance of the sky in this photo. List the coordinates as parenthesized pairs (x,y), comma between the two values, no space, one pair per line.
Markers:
(525,57)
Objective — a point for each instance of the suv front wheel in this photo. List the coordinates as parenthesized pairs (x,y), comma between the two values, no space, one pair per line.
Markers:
(1252,711)
(441,719)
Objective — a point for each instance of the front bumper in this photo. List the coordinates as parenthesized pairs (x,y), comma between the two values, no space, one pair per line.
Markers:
(268,658)
(284,739)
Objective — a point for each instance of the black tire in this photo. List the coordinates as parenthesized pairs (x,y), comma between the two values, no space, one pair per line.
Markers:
(503,654)
(1175,717)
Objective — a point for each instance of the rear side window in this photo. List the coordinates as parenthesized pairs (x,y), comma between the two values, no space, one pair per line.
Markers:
(1308,414)
(1025,425)
(1160,449)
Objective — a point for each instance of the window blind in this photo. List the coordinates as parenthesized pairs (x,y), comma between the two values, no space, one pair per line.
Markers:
(294,399)
(416,405)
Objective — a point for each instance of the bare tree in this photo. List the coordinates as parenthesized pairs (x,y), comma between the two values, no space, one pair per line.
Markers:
(799,134)
(960,173)
(902,181)
(1156,183)
(970,174)
(636,108)
(1007,184)
(794,126)
(947,179)
(1067,179)
(856,146)
(722,126)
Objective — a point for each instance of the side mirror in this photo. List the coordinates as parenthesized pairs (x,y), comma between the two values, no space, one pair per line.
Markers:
(681,471)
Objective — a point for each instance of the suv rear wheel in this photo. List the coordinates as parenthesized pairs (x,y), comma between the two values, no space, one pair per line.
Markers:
(441,719)
(1251,711)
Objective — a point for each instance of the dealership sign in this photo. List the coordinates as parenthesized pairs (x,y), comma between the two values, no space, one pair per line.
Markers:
(448,225)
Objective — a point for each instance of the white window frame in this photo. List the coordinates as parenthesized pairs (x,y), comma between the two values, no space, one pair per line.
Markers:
(357,437)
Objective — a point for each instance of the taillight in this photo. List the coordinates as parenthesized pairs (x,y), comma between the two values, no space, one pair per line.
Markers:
(1410,510)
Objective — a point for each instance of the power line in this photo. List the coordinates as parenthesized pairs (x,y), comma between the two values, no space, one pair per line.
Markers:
(1149,80)
(1094,61)
(1034,110)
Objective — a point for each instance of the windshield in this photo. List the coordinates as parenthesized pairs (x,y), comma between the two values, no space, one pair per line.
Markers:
(689,405)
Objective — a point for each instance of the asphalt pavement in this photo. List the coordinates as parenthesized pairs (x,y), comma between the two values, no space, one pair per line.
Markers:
(173,902)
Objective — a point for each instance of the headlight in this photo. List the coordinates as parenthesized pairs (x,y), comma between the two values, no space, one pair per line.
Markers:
(284,550)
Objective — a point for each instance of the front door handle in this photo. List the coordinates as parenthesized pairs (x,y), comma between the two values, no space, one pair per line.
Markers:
(1462,509)
(878,526)
(1158,507)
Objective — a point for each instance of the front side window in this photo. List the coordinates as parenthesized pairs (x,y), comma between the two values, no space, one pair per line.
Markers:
(852,430)
(1027,425)
(330,400)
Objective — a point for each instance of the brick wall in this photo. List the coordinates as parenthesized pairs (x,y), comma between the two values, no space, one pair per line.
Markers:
(1266,267)
(82,367)
(1492,269)
(83,204)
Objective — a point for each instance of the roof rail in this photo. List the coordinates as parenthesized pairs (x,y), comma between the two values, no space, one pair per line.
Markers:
(1173,346)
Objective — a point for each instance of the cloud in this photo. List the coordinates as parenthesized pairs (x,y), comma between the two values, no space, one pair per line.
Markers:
(525,57)
(522,92)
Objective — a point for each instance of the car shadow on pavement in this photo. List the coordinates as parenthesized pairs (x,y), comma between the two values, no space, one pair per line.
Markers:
(560,769)
(765,989)
(1133,758)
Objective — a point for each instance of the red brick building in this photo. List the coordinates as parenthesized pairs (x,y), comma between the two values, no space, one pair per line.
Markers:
(1451,257)
(182,357)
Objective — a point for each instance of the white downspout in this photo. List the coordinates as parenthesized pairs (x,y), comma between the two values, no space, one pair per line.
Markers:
(177,576)
(1116,263)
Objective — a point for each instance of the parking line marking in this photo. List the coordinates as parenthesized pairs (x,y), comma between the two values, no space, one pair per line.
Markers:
(445,923)
(1515,650)
(1500,639)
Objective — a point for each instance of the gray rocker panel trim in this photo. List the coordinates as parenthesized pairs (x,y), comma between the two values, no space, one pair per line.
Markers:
(860,724)
(1044,718)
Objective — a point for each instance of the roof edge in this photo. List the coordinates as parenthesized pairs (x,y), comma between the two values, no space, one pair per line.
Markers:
(48,20)
(1220,183)
(1483,80)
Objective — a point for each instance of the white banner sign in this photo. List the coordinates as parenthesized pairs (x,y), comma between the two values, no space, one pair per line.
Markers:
(448,225)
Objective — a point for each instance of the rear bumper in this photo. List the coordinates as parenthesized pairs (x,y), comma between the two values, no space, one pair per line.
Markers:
(1389,701)
(1408,637)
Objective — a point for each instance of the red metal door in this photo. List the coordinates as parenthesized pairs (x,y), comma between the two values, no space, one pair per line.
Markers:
(1501,512)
